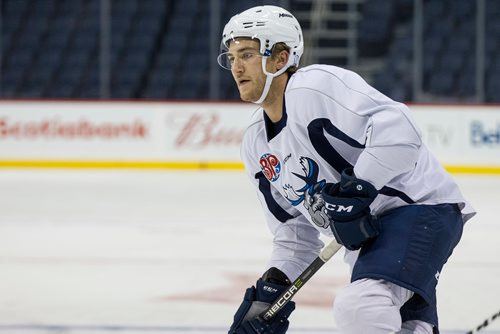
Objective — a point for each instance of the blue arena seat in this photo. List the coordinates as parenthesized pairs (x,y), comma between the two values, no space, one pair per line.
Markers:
(160,47)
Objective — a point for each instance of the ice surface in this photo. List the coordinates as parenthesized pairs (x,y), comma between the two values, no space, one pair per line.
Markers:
(172,252)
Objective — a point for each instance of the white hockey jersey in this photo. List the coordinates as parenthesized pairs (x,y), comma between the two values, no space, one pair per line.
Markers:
(334,120)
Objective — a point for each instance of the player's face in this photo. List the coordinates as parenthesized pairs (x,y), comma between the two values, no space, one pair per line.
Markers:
(246,67)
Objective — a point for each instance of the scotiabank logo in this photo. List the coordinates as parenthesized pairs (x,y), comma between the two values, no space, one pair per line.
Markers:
(56,128)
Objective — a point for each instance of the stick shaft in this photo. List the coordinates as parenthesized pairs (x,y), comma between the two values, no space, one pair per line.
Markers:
(485,323)
(325,255)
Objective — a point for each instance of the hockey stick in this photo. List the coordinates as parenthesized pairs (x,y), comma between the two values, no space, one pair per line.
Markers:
(326,253)
(485,323)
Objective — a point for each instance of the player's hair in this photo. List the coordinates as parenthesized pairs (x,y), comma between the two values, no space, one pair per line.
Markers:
(277,48)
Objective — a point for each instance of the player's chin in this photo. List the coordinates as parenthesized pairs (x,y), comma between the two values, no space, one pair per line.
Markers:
(244,96)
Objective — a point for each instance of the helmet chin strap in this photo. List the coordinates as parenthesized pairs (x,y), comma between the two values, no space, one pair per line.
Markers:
(269,80)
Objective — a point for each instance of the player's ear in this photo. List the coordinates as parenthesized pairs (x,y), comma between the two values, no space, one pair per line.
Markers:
(282,59)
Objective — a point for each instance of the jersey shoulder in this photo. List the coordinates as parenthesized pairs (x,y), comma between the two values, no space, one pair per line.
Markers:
(324,89)
(252,134)
(336,87)
(321,77)
(256,125)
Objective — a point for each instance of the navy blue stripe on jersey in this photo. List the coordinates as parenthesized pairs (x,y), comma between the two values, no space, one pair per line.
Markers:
(272,205)
(330,155)
(388,191)
(323,146)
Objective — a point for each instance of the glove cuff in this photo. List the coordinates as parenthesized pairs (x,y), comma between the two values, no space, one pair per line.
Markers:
(268,292)
(276,276)
(351,186)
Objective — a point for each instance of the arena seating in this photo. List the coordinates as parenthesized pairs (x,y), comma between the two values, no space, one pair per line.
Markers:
(449,58)
(160,48)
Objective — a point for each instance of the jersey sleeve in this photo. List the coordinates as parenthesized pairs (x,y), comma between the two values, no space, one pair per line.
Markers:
(296,242)
(392,145)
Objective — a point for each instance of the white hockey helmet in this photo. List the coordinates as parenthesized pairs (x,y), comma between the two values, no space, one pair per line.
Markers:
(269,25)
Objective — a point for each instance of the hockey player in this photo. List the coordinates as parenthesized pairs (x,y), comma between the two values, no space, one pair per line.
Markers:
(329,154)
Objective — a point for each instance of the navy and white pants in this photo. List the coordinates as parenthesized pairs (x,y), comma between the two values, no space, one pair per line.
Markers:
(394,279)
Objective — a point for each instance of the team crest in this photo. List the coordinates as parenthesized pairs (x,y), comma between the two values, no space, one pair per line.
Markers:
(270,166)
(309,194)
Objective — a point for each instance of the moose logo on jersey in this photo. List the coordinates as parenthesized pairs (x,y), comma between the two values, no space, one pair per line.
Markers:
(309,194)
(270,166)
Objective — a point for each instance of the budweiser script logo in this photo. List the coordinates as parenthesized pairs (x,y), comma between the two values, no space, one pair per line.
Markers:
(203,129)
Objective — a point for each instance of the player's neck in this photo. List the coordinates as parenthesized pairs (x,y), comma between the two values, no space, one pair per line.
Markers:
(273,104)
